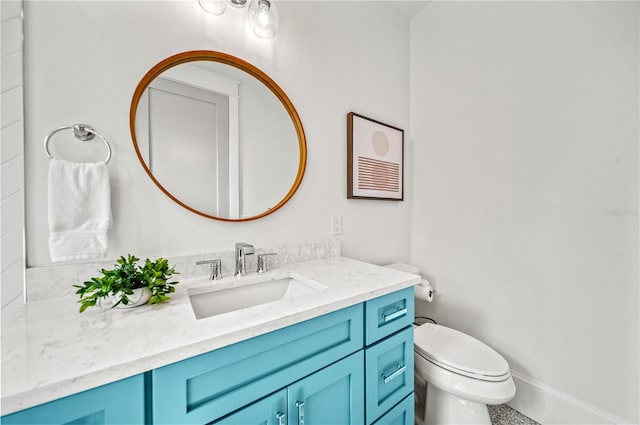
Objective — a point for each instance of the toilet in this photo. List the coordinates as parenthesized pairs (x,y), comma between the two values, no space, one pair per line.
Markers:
(460,375)
(456,375)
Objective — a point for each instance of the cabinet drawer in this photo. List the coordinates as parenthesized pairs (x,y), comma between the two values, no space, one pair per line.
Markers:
(388,314)
(401,414)
(204,388)
(121,402)
(389,373)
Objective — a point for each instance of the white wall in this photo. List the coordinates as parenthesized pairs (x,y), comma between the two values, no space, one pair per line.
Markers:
(11,160)
(84,60)
(524,118)
(266,173)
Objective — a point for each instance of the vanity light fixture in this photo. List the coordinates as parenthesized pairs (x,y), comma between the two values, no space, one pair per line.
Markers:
(263,18)
(262,14)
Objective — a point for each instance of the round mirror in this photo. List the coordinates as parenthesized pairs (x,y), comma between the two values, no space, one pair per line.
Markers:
(218,136)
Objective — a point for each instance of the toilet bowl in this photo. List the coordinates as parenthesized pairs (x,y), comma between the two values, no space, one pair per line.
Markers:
(456,375)
(460,375)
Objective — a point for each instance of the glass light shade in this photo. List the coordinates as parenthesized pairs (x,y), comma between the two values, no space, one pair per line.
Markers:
(214,7)
(238,3)
(263,18)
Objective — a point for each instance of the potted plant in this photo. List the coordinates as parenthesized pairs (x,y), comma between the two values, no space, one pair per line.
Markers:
(128,284)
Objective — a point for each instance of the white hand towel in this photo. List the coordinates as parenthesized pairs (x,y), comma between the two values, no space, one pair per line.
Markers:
(79,210)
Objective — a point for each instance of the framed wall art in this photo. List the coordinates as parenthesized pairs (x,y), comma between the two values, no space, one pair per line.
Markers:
(375,164)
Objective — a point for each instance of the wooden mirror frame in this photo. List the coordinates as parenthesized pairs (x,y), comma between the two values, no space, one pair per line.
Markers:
(214,56)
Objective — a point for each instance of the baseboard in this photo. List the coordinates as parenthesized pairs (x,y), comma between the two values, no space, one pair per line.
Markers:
(549,406)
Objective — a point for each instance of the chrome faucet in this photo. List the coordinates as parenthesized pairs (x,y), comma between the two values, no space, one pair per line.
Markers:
(242,250)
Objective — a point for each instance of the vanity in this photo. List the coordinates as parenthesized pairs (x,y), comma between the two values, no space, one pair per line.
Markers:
(341,354)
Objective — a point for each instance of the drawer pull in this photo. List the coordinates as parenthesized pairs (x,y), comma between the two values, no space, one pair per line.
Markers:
(300,406)
(400,369)
(398,313)
(282,418)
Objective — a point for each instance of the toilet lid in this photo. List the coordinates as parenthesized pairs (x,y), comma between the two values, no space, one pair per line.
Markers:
(459,353)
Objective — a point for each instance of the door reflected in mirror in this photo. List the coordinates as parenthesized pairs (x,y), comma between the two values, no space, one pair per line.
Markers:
(218,136)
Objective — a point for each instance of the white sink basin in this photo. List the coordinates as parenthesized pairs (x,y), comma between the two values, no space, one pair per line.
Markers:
(237,294)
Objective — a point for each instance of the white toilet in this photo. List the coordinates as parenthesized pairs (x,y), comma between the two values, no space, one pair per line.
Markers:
(456,375)
(460,374)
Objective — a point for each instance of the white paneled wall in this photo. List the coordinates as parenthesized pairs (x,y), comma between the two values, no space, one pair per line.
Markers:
(11,159)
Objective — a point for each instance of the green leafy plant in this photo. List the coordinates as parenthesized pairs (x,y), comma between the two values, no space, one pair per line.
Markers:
(124,278)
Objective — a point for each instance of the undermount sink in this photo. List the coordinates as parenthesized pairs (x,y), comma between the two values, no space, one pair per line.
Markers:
(237,294)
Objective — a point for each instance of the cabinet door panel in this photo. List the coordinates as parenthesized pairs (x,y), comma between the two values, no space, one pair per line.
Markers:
(121,402)
(262,412)
(331,396)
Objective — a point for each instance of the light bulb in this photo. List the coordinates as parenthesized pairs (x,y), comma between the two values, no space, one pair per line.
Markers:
(263,18)
(214,7)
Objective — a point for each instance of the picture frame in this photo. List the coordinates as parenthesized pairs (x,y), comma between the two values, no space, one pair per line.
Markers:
(375,159)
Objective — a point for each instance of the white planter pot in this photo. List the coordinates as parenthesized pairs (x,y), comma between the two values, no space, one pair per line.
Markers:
(139,297)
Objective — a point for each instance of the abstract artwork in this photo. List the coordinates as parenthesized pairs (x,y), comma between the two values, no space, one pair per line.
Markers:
(374,159)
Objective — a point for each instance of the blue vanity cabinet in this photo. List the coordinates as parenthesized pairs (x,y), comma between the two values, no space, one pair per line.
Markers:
(388,353)
(120,402)
(332,396)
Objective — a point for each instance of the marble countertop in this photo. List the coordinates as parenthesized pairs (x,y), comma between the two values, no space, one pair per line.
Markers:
(49,350)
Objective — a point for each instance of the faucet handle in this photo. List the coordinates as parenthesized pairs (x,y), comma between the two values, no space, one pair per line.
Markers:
(216,268)
(262,262)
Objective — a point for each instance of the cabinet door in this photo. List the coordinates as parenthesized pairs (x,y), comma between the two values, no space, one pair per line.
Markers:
(121,402)
(271,410)
(331,396)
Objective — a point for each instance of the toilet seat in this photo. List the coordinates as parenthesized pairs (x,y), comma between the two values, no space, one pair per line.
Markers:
(459,353)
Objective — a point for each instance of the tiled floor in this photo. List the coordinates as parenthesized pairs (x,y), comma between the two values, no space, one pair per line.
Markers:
(504,415)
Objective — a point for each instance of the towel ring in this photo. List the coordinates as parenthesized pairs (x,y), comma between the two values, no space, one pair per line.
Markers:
(82,132)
